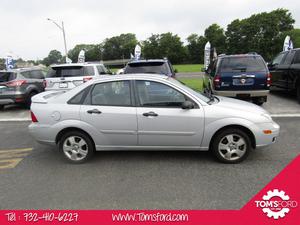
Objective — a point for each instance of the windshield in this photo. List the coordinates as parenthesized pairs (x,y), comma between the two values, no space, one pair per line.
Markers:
(197,94)
(148,67)
(243,63)
(7,76)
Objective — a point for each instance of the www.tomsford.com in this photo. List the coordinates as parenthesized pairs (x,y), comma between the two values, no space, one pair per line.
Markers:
(149,217)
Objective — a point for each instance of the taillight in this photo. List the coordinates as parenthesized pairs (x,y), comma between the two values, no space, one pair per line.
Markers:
(85,79)
(33,118)
(269,80)
(44,83)
(16,83)
(217,81)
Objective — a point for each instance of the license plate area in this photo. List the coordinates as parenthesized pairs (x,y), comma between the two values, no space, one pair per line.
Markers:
(243,81)
(63,85)
(243,96)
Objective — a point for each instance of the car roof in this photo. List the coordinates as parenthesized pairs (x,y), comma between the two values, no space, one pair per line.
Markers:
(239,55)
(76,64)
(147,60)
(132,76)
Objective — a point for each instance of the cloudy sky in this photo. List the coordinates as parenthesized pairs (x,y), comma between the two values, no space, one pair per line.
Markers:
(26,32)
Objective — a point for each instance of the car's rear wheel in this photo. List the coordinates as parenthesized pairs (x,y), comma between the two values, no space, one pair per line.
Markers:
(76,146)
(231,145)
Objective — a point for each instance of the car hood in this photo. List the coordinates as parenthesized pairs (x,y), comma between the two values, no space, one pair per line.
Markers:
(239,105)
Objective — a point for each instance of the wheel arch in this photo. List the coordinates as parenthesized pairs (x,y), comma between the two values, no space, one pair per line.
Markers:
(243,128)
(69,129)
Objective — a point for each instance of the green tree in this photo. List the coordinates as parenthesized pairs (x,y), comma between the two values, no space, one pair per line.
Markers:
(165,45)
(119,47)
(260,33)
(195,48)
(215,35)
(53,57)
(92,52)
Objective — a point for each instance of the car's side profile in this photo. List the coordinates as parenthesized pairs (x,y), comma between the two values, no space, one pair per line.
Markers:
(147,112)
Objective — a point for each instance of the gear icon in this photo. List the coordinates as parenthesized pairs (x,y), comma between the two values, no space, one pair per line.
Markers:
(283,211)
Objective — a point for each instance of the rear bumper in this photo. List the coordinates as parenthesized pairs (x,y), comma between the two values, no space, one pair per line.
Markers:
(250,93)
(12,98)
(41,134)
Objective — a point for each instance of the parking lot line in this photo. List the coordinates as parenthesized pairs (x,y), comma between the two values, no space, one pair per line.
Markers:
(286,115)
(10,158)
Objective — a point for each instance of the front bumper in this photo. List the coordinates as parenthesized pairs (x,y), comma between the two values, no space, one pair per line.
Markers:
(263,139)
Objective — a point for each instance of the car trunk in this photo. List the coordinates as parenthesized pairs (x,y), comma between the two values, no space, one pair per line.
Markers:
(243,81)
(242,73)
(65,78)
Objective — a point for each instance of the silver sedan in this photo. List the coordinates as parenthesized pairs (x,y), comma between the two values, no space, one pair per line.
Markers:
(148,112)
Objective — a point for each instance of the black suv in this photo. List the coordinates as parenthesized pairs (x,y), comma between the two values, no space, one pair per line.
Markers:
(17,86)
(285,71)
(244,76)
(157,66)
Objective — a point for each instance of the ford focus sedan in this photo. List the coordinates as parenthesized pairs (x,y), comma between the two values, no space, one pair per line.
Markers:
(147,112)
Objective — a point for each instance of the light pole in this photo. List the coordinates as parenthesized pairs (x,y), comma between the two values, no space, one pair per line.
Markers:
(62,28)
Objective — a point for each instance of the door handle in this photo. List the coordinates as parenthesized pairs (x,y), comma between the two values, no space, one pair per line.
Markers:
(96,111)
(150,114)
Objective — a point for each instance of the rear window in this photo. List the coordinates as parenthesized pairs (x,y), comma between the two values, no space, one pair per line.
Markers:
(7,76)
(71,71)
(242,64)
(148,67)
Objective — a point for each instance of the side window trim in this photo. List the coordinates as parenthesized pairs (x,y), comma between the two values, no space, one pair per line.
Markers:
(138,104)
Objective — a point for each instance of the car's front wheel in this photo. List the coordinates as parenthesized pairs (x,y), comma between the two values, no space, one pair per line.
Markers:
(231,145)
(76,146)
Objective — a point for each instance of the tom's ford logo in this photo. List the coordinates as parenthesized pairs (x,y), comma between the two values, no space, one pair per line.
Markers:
(276,204)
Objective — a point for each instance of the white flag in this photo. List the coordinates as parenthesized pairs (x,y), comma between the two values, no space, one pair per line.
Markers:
(206,55)
(287,44)
(137,52)
(81,56)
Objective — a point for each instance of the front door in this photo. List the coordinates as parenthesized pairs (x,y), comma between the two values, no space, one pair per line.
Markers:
(162,121)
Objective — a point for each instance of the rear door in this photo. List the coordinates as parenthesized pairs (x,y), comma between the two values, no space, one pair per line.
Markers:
(68,77)
(110,110)
(243,73)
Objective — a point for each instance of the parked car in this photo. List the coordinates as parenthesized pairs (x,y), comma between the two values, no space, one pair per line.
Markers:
(126,112)
(17,86)
(156,66)
(285,71)
(67,76)
(240,76)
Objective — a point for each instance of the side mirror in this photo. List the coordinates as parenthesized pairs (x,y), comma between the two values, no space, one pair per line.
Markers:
(187,105)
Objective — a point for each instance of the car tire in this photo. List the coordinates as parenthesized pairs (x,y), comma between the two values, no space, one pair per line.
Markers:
(76,147)
(1,107)
(231,145)
(258,101)
(28,101)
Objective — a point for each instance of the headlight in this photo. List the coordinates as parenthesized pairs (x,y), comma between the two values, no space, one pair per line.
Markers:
(266,115)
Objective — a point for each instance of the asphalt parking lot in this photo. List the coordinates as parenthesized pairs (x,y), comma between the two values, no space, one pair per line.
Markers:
(33,176)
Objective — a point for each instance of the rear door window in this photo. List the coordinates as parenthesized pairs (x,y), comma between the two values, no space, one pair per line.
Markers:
(243,64)
(7,76)
(37,74)
(70,71)
(279,58)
